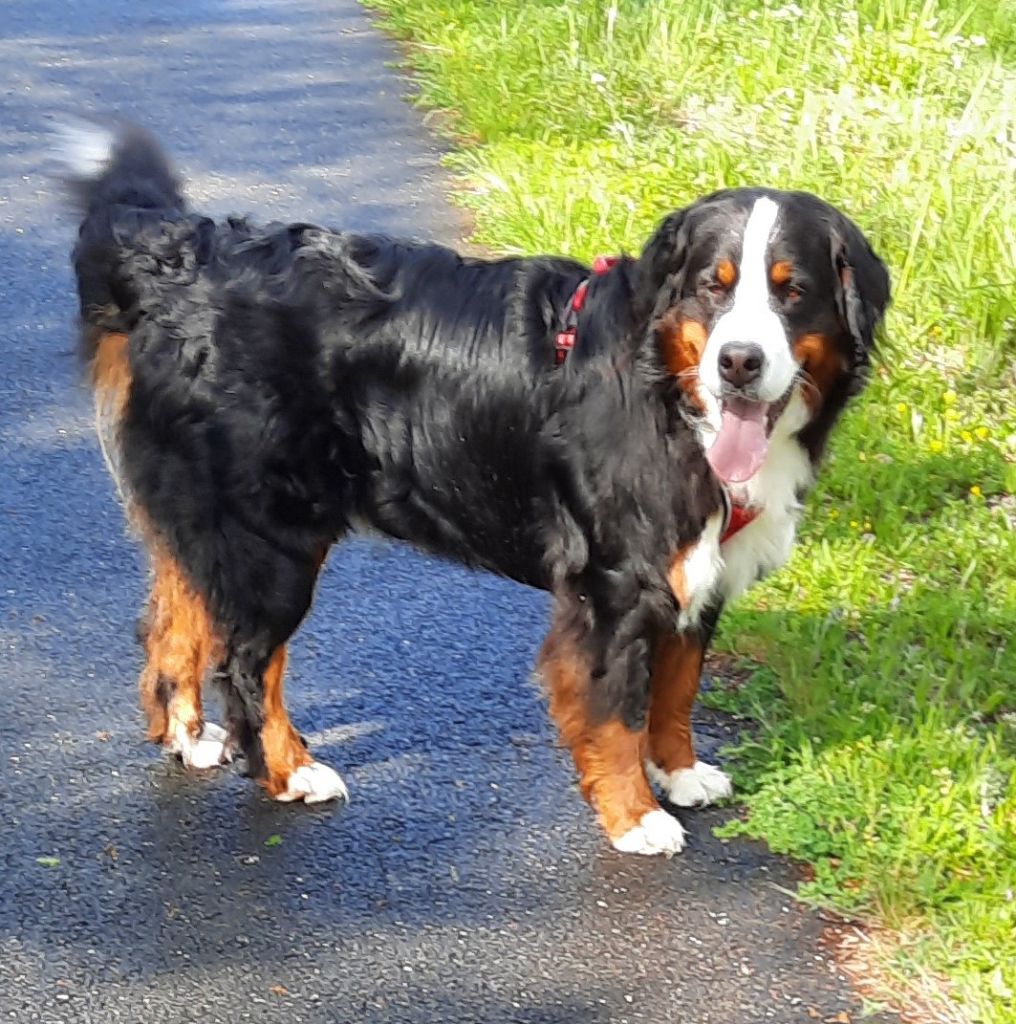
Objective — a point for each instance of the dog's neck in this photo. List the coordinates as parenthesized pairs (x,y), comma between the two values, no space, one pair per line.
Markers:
(607,324)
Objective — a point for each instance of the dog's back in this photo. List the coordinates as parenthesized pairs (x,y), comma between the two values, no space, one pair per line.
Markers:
(139,244)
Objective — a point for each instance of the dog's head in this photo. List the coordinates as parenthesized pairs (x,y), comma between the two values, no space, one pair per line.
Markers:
(753,297)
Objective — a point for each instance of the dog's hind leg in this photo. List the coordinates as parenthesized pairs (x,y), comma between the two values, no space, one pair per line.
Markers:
(180,646)
(252,674)
(176,631)
(290,771)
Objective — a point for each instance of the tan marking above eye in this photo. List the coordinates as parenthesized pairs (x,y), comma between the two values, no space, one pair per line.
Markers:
(726,273)
(781,272)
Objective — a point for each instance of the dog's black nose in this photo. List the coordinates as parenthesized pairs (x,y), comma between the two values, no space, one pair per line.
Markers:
(741,363)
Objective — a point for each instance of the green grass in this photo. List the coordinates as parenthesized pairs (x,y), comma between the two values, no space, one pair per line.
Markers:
(883,670)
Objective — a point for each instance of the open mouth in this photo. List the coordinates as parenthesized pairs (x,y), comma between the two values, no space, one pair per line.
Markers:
(742,441)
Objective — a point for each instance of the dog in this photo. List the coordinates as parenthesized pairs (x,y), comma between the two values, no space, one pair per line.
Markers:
(636,439)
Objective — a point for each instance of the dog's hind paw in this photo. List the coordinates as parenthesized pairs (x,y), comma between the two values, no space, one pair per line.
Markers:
(209,749)
(657,832)
(698,786)
(314,783)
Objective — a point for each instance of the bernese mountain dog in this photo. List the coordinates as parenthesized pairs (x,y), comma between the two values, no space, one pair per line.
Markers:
(636,440)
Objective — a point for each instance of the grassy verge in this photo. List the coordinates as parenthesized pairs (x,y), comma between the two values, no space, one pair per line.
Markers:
(883,672)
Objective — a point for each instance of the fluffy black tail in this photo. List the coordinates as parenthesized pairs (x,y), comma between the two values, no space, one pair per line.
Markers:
(116,165)
(125,189)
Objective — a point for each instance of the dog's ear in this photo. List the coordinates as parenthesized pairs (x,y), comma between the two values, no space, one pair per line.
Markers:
(862,293)
(621,303)
(662,263)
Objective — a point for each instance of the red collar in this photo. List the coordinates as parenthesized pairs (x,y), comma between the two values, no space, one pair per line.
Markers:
(738,517)
(565,340)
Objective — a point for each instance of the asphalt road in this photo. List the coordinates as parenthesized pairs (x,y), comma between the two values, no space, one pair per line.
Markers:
(466,881)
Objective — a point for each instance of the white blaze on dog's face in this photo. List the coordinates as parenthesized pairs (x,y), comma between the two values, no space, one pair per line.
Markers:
(764,295)
(747,366)
(751,320)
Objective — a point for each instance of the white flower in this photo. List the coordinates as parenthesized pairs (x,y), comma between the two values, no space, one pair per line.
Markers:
(785,13)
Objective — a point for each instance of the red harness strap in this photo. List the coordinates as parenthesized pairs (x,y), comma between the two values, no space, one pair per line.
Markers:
(738,516)
(565,340)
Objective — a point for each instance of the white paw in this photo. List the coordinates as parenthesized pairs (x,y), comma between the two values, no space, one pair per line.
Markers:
(657,832)
(314,783)
(209,749)
(693,787)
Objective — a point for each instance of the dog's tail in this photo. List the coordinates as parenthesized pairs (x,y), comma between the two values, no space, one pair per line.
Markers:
(129,200)
(113,165)
(130,205)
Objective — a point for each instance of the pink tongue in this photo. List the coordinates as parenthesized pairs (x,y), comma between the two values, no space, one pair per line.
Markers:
(740,446)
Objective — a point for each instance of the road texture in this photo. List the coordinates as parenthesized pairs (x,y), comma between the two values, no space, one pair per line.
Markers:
(466,881)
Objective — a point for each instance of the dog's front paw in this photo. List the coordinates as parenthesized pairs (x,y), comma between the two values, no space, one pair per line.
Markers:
(314,783)
(698,786)
(657,832)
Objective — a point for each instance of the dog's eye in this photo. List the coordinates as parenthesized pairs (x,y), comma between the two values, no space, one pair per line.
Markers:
(791,293)
(716,289)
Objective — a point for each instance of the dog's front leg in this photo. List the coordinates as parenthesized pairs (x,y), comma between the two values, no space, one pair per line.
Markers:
(677,669)
(610,753)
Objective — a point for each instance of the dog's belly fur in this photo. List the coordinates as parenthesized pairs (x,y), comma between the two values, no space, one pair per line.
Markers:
(457,488)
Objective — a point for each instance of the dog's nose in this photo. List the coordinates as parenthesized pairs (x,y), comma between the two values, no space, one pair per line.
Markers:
(741,363)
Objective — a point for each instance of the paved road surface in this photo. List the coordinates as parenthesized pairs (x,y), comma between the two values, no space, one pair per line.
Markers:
(466,881)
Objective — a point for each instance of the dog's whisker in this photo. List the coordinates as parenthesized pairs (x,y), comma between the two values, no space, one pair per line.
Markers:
(805,378)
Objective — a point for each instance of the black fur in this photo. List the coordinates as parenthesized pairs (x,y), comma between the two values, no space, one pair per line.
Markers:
(291,383)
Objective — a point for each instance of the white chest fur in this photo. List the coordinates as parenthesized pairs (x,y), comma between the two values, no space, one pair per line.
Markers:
(766,542)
